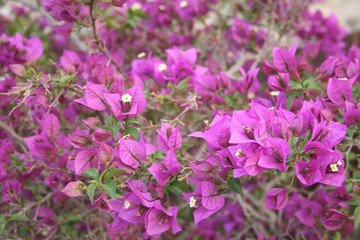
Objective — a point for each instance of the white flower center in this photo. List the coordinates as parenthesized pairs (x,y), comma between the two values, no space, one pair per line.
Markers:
(162,7)
(192,202)
(230,54)
(141,55)
(126,98)
(238,153)
(136,6)
(183,4)
(339,163)
(162,67)
(127,204)
(274,93)
(343,79)
(125,137)
(334,167)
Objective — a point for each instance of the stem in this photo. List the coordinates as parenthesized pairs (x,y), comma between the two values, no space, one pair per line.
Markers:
(100,45)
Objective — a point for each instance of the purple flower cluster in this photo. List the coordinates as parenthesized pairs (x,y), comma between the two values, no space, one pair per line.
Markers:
(164,119)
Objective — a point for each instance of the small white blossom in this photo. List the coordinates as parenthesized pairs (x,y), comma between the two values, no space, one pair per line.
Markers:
(183,4)
(126,98)
(192,202)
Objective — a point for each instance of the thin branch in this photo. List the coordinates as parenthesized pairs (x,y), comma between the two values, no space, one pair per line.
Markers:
(9,130)
(149,127)
(100,45)
(46,198)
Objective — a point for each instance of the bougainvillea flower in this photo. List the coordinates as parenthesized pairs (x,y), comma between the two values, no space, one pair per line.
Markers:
(71,62)
(205,200)
(91,122)
(85,159)
(129,104)
(327,68)
(169,167)
(135,204)
(276,198)
(94,96)
(80,138)
(118,3)
(352,115)
(280,82)
(74,189)
(10,191)
(308,172)
(50,125)
(169,138)
(285,60)
(100,135)
(275,155)
(332,167)
(106,153)
(339,198)
(202,169)
(158,220)
(330,134)
(335,220)
(249,83)
(132,152)
(242,128)
(308,212)
(217,133)
(102,203)
(339,91)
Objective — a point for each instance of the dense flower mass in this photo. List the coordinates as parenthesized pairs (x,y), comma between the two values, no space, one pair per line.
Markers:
(183,119)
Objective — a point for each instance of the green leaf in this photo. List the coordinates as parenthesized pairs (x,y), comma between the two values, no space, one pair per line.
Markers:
(119,194)
(132,13)
(92,172)
(109,121)
(185,147)
(235,185)
(2,224)
(74,218)
(356,175)
(295,85)
(178,188)
(289,101)
(182,84)
(159,155)
(57,90)
(115,130)
(29,73)
(172,87)
(114,172)
(65,79)
(17,217)
(58,218)
(357,218)
(337,236)
(91,191)
(74,233)
(229,100)
(132,121)
(110,189)
(350,131)
(64,228)
(292,141)
(133,132)
(352,210)
(355,201)
(312,84)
